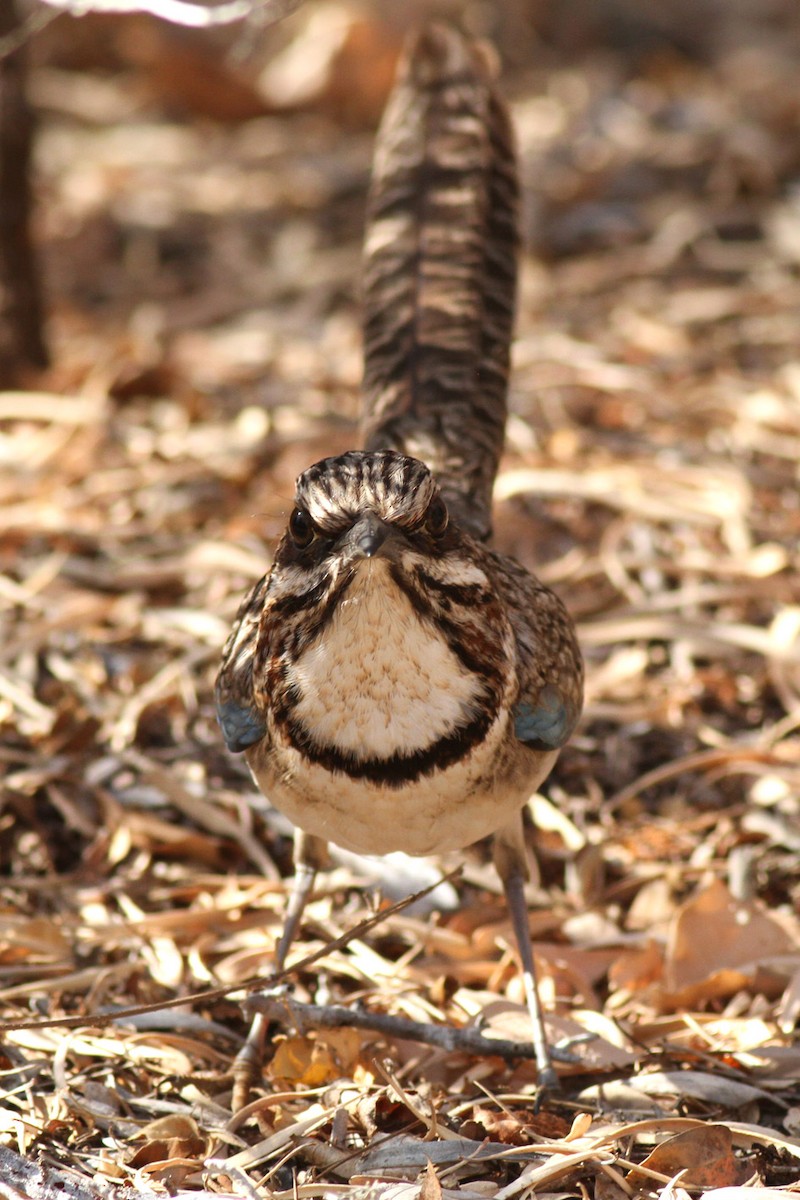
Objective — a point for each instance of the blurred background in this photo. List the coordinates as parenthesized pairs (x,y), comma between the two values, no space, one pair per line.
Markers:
(188,179)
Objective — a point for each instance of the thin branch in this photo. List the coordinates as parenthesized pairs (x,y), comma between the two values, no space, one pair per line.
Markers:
(444,1037)
(252,984)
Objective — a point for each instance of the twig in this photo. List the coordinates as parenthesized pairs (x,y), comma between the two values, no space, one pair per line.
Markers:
(699,761)
(336,1016)
(253,983)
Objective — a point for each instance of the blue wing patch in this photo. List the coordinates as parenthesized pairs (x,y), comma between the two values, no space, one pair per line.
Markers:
(241,727)
(547,724)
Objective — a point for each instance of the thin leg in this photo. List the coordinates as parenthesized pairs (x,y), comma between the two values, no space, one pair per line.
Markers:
(512,866)
(310,853)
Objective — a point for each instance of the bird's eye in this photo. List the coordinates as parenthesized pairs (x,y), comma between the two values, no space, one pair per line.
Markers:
(437,517)
(301,528)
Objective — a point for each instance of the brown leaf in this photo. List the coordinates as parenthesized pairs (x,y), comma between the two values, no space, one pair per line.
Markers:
(705,1155)
(431,1188)
(317,1059)
(638,967)
(712,936)
(174,1137)
(517,1127)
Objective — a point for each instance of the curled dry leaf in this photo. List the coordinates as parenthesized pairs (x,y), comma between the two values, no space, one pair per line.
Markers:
(173,1148)
(317,1059)
(704,1158)
(513,1126)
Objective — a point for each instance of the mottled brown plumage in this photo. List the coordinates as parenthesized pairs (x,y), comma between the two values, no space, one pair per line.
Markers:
(440,272)
(394,682)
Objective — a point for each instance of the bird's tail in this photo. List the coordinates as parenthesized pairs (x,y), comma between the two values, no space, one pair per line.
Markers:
(440,271)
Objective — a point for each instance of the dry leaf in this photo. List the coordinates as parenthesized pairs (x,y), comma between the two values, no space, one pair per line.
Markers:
(581,1124)
(176,1137)
(704,1157)
(638,967)
(318,1058)
(715,942)
(514,1127)
(431,1188)
(206,348)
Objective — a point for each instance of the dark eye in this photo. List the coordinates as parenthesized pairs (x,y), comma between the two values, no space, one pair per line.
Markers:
(301,528)
(437,517)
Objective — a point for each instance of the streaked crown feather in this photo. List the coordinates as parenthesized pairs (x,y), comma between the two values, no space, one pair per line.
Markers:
(335,490)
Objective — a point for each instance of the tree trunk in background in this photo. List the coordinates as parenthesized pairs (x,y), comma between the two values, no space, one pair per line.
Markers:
(21,337)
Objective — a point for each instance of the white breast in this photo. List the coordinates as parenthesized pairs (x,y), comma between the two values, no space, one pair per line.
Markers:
(378,680)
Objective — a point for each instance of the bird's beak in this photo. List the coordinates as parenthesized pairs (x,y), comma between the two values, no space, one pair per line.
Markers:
(367,536)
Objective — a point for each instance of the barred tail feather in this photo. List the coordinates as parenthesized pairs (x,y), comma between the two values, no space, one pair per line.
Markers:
(440,271)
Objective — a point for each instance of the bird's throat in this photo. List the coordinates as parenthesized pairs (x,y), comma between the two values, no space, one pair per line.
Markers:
(380,679)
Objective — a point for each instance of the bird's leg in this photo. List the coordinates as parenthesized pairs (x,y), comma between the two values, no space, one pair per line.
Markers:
(310,855)
(510,859)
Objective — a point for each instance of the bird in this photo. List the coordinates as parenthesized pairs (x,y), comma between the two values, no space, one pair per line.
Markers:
(394,681)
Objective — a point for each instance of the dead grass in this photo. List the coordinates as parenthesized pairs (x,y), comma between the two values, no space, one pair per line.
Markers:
(203,283)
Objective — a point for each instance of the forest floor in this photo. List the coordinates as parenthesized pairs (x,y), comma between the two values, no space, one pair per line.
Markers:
(202,280)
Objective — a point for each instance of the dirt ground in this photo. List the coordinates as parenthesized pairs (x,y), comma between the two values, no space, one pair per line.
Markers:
(199,222)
